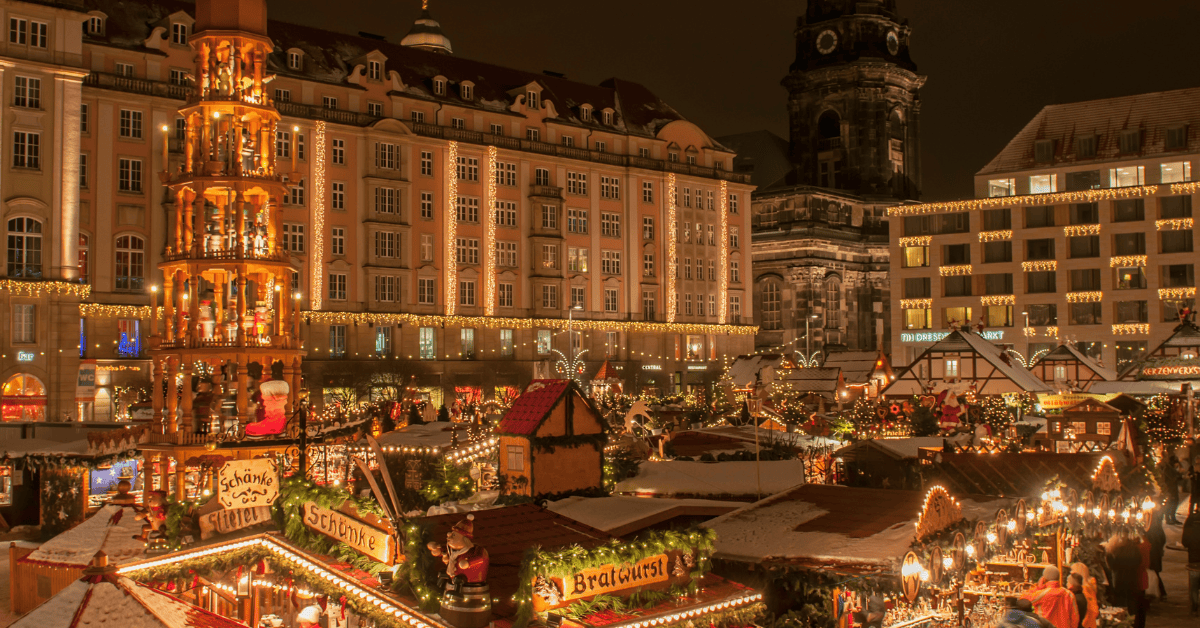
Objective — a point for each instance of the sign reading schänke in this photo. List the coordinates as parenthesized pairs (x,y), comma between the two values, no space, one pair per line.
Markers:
(247,483)
(369,541)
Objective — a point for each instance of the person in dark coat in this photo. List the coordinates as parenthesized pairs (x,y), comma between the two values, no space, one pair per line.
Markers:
(1158,542)
(1171,478)
(1124,561)
(1075,585)
(1191,540)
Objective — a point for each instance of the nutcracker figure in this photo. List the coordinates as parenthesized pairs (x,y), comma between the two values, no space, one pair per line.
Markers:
(467,599)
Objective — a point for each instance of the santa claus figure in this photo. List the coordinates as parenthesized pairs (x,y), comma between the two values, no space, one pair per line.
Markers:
(466,563)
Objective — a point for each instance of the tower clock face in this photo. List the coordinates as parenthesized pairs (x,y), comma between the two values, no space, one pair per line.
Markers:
(893,42)
(826,42)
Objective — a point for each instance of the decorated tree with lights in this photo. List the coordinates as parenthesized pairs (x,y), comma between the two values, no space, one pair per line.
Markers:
(996,414)
(863,415)
(1162,425)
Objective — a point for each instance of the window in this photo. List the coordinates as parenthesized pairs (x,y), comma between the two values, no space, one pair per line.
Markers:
(295,194)
(532,135)
(84,250)
(577,259)
(1085,180)
(648,264)
(337,341)
(917,288)
(577,220)
(577,183)
(467,250)
(374,70)
(375,109)
(337,152)
(956,254)
(735,274)
(550,297)
(577,296)
(568,140)
(687,197)
(610,225)
(337,240)
(467,209)
(1129,244)
(383,341)
(1130,279)
(541,176)
(130,263)
(124,69)
(427,205)
(833,303)
(550,256)
(179,34)
(329,102)
(283,95)
(23,32)
(648,304)
(644,153)
(957,286)
(178,77)
(647,228)
(417,117)
(1043,314)
(466,292)
(293,237)
(506,254)
(1129,209)
(426,291)
(1040,249)
(385,201)
(918,319)
(506,173)
(458,123)
(131,124)
(83,118)
(610,300)
(94,26)
(24,248)
(26,149)
(687,269)
(427,340)
(1175,207)
(1043,184)
(386,245)
(1039,217)
(504,294)
(1176,241)
(647,192)
(1130,141)
(959,222)
(1041,281)
(23,323)
(712,270)
(549,217)
(1125,177)
(83,170)
(1132,312)
(608,117)
(998,283)
(506,214)
(1085,313)
(711,201)
(283,144)
(1002,187)
(996,252)
(1043,151)
(1084,246)
(998,315)
(712,235)
(426,163)
(600,146)
(468,168)
(1085,279)
(916,256)
(1085,146)
(1176,172)
(337,286)
(1085,214)
(610,187)
(27,92)
(956,316)
(426,247)
(337,195)
(531,100)
(385,155)
(129,172)
(712,305)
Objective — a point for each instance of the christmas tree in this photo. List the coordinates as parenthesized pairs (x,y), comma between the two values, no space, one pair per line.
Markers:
(1162,425)
(995,413)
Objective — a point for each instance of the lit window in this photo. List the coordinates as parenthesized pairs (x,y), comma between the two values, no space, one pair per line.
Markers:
(24,248)
(951,368)
(1125,177)
(130,263)
(428,342)
(1002,187)
(1043,184)
(1176,172)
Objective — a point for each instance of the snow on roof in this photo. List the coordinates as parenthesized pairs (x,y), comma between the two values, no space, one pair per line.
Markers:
(713,478)
(746,433)
(822,525)
(112,600)
(902,448)
(72,448)
(435,434)
(967,342)
(815,379)
(856,366)
(20,447)
(746,368)
(612,514)
(111,529)
(1067,351)
(1144,387)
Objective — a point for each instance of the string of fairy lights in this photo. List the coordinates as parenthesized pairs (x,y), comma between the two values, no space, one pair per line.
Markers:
(1053,198)
(723,290)
(318,218)
(489,237)
(38,288)
(672,259)
(451,259)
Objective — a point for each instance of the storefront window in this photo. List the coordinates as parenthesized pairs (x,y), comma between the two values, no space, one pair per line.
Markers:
(543,341)
(24,399)
(428,344)
(695,347)
(6,485)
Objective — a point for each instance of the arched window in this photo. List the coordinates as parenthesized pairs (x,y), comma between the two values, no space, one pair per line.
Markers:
(829,125)
(23,399)
(896,141)
(130,263)
(25,248)
(84,250)
(833,304)
(771,306)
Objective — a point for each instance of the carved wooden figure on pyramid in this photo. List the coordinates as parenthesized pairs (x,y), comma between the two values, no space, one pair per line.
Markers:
(467,599)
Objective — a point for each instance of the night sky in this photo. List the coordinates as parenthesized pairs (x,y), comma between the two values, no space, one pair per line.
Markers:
(991,64)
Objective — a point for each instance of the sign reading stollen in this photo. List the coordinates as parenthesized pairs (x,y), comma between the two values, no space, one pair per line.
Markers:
(365,539)
(608,578)
(247,483)
(229,520)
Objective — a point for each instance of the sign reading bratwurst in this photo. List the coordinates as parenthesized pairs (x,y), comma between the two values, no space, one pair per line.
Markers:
(366,540)
(608,578)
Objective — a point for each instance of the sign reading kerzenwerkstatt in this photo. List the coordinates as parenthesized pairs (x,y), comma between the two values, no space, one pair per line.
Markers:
(360,535)
(247,483)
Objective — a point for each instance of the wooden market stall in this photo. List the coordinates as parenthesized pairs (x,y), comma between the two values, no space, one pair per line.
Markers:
(551,440)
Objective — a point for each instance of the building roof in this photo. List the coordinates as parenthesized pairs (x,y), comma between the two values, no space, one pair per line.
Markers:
(606,373)
(1168,358)
(112,600)
(970,342)
(531,408)
(814,380)
(435,435)
(1067,352)
(619,515)
(1152,113)
(748,369)
(110,530)
(427,33)
(857,366)
(897,448)
(761,154)
(735,480)
(1009,474)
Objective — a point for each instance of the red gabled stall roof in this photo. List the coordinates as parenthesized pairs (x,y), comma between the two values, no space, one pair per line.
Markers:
(531,408)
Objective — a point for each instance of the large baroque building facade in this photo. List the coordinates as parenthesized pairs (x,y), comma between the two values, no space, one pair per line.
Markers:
(449,220)
(820,232)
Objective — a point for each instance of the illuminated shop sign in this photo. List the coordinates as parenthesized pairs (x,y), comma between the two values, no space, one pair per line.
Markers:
(934,336)
(25,356)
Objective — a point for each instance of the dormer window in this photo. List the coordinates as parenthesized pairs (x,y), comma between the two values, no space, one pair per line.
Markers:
(374,70)
(531,100)
(439,86)
(94,26)
(673,156)
(179,34)
(585,113)
(466,91)
(691,159)
(294,60)
(608,117)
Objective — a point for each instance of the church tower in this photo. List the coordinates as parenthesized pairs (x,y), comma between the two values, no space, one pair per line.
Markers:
(854,101)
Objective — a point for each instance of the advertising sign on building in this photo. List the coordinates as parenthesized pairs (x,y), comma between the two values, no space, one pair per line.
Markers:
(247,483)
(85,385)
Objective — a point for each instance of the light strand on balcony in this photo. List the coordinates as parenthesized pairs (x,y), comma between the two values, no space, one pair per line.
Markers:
(451,261)
(724,262)
(317,269)
(1083,196)
(672,262)
(489,237)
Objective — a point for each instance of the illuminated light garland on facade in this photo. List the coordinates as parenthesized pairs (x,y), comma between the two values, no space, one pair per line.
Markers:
(672,261)
(1081,230)
(995,236)
(491,322)
(722,314)
(489,237)
(100,310)
(37,288)
(916,241)
(1127,261)
(1168,294)
(1051,332)
(1040,265)
(1171,370)
(955,271)
(1030,332)
(1185,188)
(916,304)
(1053,198)
(1174,224)
(451,259)
(998,299)
(1129,329)
(317,270)
(1091,296)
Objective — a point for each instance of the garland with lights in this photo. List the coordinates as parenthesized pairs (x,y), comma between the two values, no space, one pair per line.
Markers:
(288,513)
(1160,426)
(34,288)
(496,322)
(61,499)
(1053,198)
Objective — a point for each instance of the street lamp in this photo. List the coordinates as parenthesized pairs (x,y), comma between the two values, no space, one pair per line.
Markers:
(808,338)
(1027,343)
(571,326)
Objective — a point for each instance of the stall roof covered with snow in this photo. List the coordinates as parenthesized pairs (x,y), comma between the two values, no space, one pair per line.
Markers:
(1175,361)
(823,382)
(110,530)
(967,357)
(1066,367)
(819,526)
(862,369)
(433,436)
(620,516)
(732,480)
(748,370)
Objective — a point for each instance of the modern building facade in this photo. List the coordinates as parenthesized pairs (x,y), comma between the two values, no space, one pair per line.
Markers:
(1082,233)
(819,230)
(449,220)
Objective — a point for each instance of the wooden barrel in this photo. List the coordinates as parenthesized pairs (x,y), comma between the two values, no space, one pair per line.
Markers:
(471,607)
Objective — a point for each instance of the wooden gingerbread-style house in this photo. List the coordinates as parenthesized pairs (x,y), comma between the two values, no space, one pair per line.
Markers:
(551,441)
(1090,422)
(1068,369)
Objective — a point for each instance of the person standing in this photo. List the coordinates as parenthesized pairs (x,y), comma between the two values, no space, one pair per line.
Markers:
(1123,561)
(1052,601)
(1075,586)
(1171,477)
(1015,617)
(1191,540)
(1158,542)
(1088,584)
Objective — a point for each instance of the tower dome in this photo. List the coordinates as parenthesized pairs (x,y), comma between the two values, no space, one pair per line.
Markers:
(427,34)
